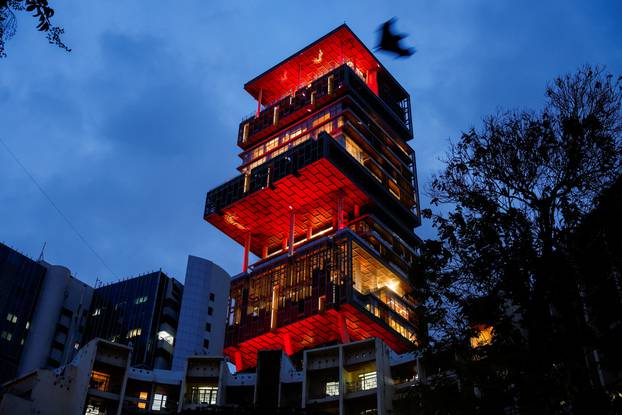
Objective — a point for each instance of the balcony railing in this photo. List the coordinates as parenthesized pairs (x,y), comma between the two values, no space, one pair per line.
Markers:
(291,161)
(319,91)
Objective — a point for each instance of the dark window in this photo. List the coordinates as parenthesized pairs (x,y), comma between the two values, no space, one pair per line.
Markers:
(210,311)
(206,343)
(211,296)
(208,327)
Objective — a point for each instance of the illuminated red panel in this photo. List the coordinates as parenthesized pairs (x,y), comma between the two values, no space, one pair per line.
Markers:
(314,331)
(313,196)
(341,46)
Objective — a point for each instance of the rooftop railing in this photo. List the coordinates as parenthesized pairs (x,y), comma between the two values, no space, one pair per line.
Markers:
(322,89)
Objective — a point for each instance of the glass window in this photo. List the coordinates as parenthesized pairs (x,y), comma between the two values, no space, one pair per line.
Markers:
(133,333)
(367,380)
(100,381)
(208,327)
(141,300)
(206,343)
(332,388)
(159,402)
(211,296)
(12,318)
(143,397)
(6,336)
(166,336)
(210,311)
(204,394)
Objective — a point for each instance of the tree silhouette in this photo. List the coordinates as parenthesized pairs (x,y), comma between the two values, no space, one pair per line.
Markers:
(514,190)
(40,10)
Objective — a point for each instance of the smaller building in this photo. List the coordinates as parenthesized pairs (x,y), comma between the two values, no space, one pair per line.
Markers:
(58,322)
(359,377)
(203,313)
(142,312)
(93,383)
(21,279)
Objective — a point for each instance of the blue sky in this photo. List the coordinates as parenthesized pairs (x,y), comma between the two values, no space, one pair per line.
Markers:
(128,131)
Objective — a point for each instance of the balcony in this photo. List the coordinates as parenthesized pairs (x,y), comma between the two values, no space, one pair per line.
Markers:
(302,299)
(392,104)
(309,179)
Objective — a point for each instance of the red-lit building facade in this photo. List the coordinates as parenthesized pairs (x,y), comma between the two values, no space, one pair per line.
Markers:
(327,200)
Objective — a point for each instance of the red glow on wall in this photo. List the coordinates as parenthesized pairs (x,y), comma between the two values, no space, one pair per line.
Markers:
(339,47)
(313,195)
(314,331)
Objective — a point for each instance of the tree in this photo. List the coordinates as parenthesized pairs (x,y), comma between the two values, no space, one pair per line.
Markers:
(514,188)
(40,10)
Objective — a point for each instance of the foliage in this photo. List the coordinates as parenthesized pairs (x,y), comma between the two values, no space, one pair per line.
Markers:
(514,189)
(39,9)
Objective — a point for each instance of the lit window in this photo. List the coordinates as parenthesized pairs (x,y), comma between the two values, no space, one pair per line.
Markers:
(166,336)
(141,300)
(367,380)
(159,402)
(100,381)
(483,337)
(332,388)
(143,397)
(12,318)
(204,394)
(133,333)
(76,345)
(97,312)
(27,325)
(6,336)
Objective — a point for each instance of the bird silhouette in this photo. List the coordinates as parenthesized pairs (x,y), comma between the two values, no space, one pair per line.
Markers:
(390,41)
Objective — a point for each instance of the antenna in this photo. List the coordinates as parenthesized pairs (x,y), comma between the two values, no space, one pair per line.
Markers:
(41,254)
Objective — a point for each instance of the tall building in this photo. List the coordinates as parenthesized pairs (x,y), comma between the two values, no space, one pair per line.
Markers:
(21,279)
(43,311)
(142,312)
(202,317)
(58,322)
(327,200)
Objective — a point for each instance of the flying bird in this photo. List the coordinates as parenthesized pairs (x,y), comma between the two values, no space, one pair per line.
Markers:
(390,41)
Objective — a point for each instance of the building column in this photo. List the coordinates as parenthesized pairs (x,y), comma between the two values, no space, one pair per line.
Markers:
(340,221)
(239,364)
(292,223)
(259,102)
(247,248)
(288,344)
(343,328)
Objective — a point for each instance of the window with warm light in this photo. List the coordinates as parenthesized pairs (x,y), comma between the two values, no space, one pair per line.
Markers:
(143,397)
(367,380)
(483,337)
(332,388)
(133,333)
(100,381)
(159,402)
(204,394)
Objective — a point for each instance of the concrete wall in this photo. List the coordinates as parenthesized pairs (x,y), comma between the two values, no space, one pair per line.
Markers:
(60,290)
(203,278)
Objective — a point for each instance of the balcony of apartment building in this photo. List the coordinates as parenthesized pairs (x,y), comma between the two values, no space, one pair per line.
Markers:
(322,371)
(320,182)
(391,103)
(202,382)
(144,394)
(334,289)
(391,164)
